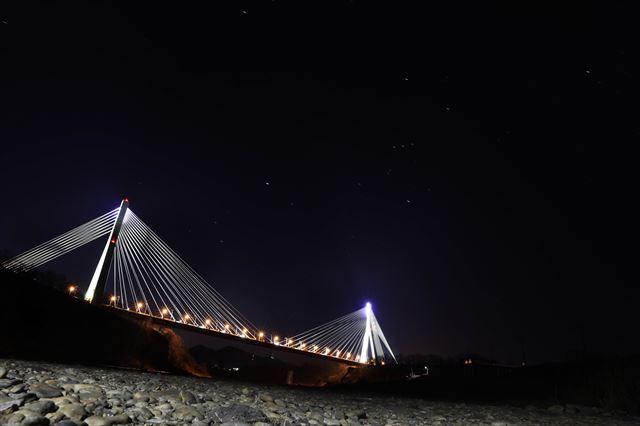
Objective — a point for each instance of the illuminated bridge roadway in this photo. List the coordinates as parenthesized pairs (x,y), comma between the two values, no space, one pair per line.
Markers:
(138,273)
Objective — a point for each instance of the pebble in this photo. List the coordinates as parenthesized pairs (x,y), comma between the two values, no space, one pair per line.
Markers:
(43,390)
(37,393)
(74,411)
(556,409)
(265,397)
(188,397)
(107,421)
(8,406)
(7,383)
(42,406)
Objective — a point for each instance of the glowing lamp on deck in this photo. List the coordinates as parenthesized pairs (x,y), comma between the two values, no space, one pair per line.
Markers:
(113,299)
(260,335)
(326,351)
(186,317)
(315,348)
(303,345)
(72,289)
(276,340)
(139,305)
(207,321)
(338,352)
(348,355)
(164,311)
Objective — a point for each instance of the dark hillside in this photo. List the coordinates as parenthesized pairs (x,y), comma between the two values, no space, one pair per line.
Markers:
(40,322)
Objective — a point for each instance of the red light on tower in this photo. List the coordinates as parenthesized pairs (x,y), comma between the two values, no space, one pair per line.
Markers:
(125,199)
(113,241)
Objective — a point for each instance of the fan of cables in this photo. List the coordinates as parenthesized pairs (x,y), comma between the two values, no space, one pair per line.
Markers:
(356,336)
(148,277)
(63,244)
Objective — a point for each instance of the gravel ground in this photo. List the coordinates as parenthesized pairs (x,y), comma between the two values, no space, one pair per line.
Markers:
(36,393)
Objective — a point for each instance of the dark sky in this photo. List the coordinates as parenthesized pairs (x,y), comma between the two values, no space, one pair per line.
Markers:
(468,167)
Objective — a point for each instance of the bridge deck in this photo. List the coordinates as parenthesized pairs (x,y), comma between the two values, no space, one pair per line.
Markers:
(229,336)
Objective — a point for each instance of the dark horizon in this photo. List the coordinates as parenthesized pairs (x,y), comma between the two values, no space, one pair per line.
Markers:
(467,168)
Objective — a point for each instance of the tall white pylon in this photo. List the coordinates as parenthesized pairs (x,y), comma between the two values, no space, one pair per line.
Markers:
(356,336)
(373,339)
(95,292)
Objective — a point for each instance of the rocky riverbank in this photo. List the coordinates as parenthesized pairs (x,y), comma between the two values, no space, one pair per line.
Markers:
(36,393)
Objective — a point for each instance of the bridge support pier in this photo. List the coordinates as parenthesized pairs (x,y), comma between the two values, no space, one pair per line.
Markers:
(95,292)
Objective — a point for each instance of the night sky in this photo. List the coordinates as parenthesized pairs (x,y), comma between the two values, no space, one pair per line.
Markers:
(469,168)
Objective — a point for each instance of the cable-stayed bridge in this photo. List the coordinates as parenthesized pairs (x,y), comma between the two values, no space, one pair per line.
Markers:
(140,274)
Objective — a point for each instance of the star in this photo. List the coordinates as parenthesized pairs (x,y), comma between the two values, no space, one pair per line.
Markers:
(267,183)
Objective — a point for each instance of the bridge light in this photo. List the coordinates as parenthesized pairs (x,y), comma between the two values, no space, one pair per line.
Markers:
(315,348)
(326,351)
(260,335)
(276,340)
(186,317)
(303,345)
(126,200)
(139,306)
(164,311)
(244,332)
(207,321)
(226,327)
(72,289)
(348,355)
(113,241)
(338,352)
(113,299)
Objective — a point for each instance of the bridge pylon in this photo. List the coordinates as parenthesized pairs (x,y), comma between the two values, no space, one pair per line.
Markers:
(95,292)
(374,344)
